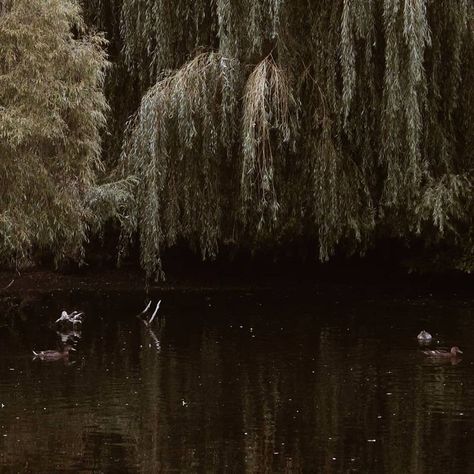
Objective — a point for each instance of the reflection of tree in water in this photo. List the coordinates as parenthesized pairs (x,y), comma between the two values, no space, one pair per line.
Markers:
(284,417)
(216,399)
(71,436)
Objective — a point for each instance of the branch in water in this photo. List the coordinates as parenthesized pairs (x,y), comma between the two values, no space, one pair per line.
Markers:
(9,284)
(155,312)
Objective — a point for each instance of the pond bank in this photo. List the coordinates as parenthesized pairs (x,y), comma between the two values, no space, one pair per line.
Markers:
(351,279)
(44,281)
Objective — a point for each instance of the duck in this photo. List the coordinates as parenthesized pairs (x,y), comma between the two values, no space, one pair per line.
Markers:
(54,355)
(453,352)
(424,336)
(74,318)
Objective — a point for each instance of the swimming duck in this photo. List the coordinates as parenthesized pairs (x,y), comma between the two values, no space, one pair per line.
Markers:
(74,319)
(453,352)
(424,336)
(54,355)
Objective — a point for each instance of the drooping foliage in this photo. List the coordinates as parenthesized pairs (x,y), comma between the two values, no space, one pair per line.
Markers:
(337,122)
(179,193)
(254,123)
(51,111)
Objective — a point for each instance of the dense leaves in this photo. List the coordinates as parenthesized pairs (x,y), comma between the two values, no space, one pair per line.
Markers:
(253,123)
(52,109)
(343,121)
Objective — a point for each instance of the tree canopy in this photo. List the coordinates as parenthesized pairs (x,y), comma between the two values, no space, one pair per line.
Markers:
(245,123)
(337,121)
(52,110)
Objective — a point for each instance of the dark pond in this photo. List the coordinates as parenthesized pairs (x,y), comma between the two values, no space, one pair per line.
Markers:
(238,382)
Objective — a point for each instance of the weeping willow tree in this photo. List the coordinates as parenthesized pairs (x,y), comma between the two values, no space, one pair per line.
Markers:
(255,123)
(263,122)
(52,109)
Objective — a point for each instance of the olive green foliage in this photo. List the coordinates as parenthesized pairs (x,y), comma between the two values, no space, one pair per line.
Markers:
(51,111)
(179,194)
(252,123)
(337,122)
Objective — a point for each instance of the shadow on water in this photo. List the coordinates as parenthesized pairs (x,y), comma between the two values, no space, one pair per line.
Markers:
(234,382)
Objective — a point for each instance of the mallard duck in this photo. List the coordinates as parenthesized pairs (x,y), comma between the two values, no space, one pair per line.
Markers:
(424,336)
(453,352)
(54,355)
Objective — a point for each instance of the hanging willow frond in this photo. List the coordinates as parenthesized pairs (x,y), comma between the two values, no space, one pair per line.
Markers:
(342,205)
(267,123)
(174,146)
(443,202)
(407,35)
(248,30)
(159,35)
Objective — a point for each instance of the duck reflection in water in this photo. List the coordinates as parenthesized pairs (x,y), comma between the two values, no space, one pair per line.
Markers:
(69,337)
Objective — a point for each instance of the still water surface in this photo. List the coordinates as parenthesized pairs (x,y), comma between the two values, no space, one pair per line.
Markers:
(238,382)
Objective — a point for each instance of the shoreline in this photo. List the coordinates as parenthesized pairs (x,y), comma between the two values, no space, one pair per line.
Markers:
(133,280)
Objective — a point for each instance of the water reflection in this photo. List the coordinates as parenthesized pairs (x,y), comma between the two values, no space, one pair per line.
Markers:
(70,336)
(242,384)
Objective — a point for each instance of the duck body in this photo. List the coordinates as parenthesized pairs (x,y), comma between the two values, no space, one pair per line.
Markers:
(424,336)
(452,353)
(50,355)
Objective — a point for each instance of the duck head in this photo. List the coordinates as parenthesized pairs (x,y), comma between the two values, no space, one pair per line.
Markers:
(455,351)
